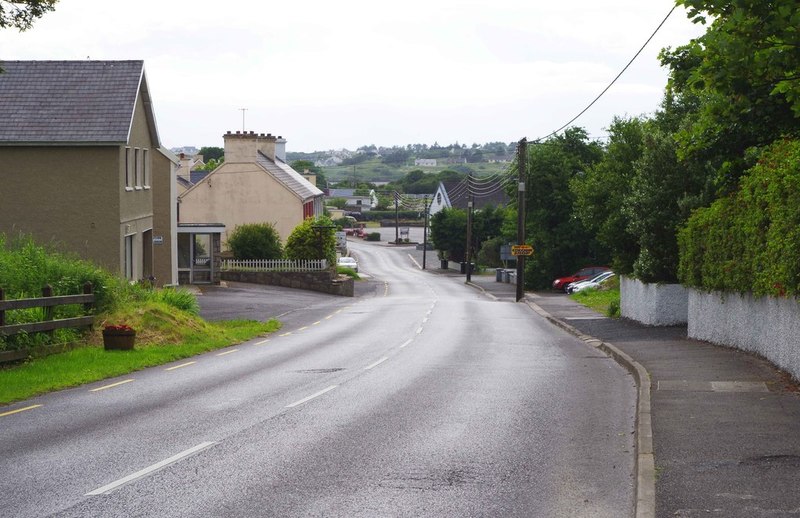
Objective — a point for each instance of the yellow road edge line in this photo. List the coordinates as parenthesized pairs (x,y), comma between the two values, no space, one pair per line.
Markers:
(17,411)
(180,366)
(228,352)
(112,385)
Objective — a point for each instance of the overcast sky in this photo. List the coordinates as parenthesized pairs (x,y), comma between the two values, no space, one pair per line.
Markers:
(330,74)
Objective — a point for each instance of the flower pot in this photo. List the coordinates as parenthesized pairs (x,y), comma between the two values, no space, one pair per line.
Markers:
(118,340)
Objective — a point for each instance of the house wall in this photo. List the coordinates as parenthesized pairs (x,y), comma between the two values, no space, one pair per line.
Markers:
(653,304)
(239,193)
(165,254)
(68,196)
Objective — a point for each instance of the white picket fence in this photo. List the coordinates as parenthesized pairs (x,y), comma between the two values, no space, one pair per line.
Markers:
(275,265)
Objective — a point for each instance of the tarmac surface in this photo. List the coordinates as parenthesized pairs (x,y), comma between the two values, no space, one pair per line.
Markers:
(717,427)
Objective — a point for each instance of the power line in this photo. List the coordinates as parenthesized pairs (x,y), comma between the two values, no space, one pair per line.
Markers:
(614,80)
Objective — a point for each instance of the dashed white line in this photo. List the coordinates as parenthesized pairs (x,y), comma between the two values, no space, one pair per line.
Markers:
(98,389)
(373,365)
(182,365)
(228,352)
(146,471)
(419,330)
(262,342)
(312,396)
(425,320)
(406,343)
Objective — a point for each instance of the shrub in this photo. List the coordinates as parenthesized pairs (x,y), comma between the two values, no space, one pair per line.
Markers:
(307,242)
(255,241)
(373,236)
(178,298)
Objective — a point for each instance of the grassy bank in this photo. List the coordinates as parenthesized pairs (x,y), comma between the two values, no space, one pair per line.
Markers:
(605,301)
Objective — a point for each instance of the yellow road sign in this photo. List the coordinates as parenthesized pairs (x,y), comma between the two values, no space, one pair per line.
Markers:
(521,250)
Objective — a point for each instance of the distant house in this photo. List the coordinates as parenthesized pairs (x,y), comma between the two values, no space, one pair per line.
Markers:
(190,171)
(253,185)
(355,202)
(455,194)
(81,165)
(425,162)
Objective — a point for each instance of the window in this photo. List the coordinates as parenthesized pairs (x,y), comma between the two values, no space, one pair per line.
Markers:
(128,158)
(129,257)
(137,168)
(145,168)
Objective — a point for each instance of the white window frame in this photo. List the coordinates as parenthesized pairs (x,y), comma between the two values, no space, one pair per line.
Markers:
(128,158)
(146,168)
(128,256)
(137,168)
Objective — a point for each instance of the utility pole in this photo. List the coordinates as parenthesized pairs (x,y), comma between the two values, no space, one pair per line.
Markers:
(522,156)
(425,234)
(470,204)
(396,218)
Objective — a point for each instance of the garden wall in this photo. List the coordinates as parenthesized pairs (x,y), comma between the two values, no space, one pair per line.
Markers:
(653,304)
(768,326)
(324,282)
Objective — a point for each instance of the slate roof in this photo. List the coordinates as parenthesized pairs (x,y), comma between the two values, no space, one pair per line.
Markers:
(458,196)
(64,102)
(293,180)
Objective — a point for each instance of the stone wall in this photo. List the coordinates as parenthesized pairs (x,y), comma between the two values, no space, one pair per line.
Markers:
(767,326)
(653,304)
(324,282)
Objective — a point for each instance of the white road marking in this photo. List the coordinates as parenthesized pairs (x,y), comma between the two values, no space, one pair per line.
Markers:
(406,343)
(414,261)
(419,330)
(425,320)
(228,352)
(372,365)
(182,365)
(312,396)
(262,342)
(112,385)
(146,471)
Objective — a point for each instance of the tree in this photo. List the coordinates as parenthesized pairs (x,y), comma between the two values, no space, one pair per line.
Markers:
(255,241)
(314,238)
(21,14)
(212,153)
(746,68)
(307,165)
(449,233)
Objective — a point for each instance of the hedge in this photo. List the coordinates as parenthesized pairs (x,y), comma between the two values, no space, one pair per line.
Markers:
(749,241)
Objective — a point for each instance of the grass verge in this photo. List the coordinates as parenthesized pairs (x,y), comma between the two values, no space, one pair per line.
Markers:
(605,301)
(163,335)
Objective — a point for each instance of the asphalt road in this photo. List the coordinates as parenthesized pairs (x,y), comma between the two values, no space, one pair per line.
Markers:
(421,398)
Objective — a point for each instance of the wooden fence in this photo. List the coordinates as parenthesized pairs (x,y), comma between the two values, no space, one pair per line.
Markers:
(48,302)
(275,265)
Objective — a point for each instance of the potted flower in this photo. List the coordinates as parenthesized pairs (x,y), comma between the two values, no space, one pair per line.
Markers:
(119,337)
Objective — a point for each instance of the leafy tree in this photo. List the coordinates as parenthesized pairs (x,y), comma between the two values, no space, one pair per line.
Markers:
(313,239)
(212,164)
(255,241)
(746,67)
(449,233)
(212,153)
(303,165)
(21,14)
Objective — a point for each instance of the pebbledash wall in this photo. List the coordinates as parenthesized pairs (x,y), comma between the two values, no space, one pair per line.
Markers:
(767,326)
(653,304)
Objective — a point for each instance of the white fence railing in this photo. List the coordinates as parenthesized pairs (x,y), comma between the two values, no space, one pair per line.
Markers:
(275,265)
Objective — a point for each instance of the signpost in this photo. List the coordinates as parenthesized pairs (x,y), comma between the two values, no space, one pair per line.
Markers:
(517,250)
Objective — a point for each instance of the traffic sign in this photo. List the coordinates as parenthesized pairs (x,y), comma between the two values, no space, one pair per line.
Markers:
(521,250)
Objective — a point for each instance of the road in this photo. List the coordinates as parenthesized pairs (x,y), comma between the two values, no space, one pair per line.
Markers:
(424,399)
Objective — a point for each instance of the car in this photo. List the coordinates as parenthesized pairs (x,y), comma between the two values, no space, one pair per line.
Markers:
(584,273)
(594,282)
(348,262)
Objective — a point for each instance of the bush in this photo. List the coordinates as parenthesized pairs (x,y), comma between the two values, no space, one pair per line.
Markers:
(306,242)
(178,298)
(750,240)
(373,236)
(255,241)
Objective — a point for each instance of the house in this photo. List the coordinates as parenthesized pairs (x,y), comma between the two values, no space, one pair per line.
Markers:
(253,185)
(364,201)
(82,166)
(455,194)
(425,162)
(190,171)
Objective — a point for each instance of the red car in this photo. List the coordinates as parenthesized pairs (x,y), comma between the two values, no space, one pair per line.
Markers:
(582,274)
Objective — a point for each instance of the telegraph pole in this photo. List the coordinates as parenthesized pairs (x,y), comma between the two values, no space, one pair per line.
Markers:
(425,235)
(396,218)
(470,203)
(522,156)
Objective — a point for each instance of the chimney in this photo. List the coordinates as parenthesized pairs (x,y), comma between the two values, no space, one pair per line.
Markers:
(266,144)
(280,148)
(240,146)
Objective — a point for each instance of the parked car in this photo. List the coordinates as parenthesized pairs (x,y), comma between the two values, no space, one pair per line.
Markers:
(348,262)
(594,282)
(581,275)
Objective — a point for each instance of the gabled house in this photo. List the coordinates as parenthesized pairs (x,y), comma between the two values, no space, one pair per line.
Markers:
(362,202)
(81,165)
(455,194)
(253,185)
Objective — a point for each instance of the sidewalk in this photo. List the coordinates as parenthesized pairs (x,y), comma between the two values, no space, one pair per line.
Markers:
(725,424)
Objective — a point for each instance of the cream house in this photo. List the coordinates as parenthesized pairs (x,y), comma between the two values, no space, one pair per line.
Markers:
(253,185)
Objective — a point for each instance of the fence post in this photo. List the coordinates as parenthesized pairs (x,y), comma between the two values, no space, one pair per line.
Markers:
(2,312)
(48,311)
(88,290)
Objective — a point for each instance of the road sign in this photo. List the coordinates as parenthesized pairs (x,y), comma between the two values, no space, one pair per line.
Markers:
(521,250)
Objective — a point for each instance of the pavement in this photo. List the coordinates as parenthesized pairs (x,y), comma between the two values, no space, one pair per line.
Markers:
(717,428)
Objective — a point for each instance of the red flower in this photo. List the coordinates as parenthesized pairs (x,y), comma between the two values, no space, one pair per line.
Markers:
(118,327)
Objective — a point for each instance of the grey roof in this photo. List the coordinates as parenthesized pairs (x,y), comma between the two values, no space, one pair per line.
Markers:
(458,196)
(78,102)
(293,180)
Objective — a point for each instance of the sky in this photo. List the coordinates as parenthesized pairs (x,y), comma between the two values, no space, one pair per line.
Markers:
(343,74)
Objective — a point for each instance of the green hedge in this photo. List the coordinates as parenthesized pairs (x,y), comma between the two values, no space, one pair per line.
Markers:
(750,240)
